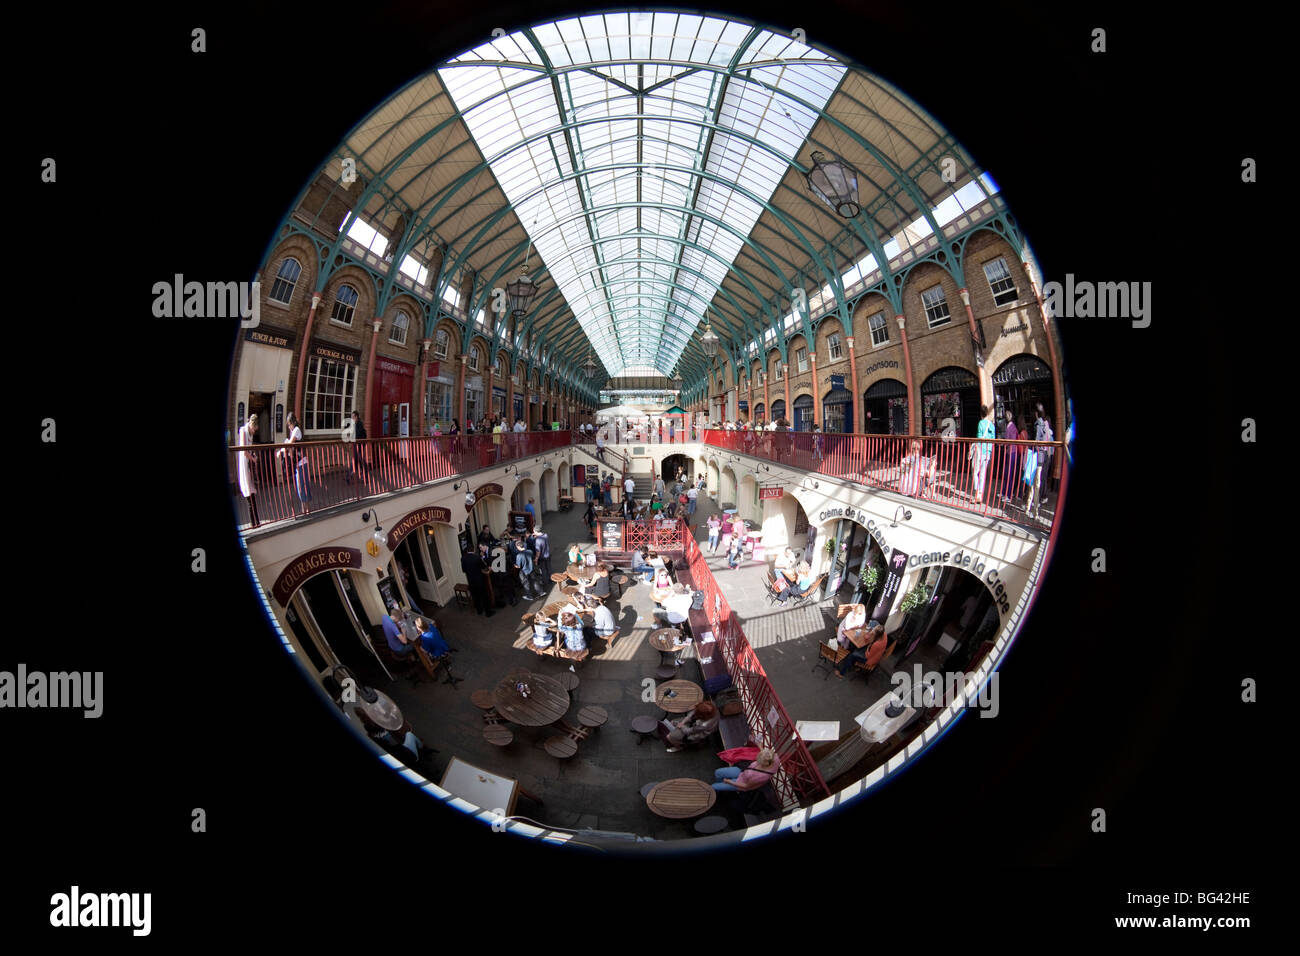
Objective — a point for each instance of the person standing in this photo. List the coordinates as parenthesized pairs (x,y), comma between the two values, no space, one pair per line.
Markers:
(523,560)
(497,432)
(691,495)
(1012,453)
(590,517)
(244,465)
(715,529)
(475,568)
(532,511)
(298,462)
(600,447)
(607,492)
(629,487)
(1042,433)
(358,450)
(659,486)
(542,551)
(982,451)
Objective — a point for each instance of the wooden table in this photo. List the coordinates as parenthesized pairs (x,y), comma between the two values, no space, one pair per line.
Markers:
(658,594)
(574,570)
(547,702)
(681,799)
(569,589)
(559,578)
(688,695)
(664,638)
(552,609)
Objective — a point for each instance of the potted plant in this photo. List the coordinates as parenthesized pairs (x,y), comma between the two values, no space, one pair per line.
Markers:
(870,578)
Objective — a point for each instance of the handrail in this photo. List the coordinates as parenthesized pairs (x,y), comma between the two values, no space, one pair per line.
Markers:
(293,479)
(981,475)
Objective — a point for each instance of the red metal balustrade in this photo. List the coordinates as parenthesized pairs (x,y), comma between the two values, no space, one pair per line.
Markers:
(309,476)
(798,782)
(982,476)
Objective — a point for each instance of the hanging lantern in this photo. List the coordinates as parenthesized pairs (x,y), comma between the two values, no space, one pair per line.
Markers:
(709,341)
(835,183)
(521,293)
(589,367)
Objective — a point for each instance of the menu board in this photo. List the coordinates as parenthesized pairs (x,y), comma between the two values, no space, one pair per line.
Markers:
(388,591)
(611,536)
(521,522)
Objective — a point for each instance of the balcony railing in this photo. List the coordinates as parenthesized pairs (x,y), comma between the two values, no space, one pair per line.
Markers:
(982,476)
(292,480)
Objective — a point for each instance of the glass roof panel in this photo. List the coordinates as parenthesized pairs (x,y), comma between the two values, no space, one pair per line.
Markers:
(614,238)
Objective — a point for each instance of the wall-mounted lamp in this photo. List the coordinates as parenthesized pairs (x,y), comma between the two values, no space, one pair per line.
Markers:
(907,516)
(378,538)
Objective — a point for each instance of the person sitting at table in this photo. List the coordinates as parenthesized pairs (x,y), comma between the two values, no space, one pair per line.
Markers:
(598,586)
(640,567)
(870,653)
(676,606)
(571,631)
(542,635)
(851,625)
(431,638)
(693,728)
(803,580)
(575,554)
(787,559)
(602,624)
(752,777)
(397,642)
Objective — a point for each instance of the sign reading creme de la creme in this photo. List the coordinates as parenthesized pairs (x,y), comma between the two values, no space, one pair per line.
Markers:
(861,518)
(313,562)
(968,561)
(414,520)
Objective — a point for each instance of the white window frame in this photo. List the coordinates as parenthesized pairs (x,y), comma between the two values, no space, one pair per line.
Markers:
(394,327)
(1008,282)
(801,359)
(932,317)
(834,347)
(311,410)
(279,277)
(446,342)
(473,358)
(351,309)
(882,328)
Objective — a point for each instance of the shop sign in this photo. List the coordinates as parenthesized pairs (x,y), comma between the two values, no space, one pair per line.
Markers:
(266,335)
(313,562)
(776,491)
(412,521)
(327,350)
(482,491)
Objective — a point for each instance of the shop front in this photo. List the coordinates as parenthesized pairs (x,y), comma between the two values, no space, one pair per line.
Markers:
(1019,384)
(439,387)
(951,393)
(260,388)
(390,399)
(837,409)
(884,408)
(803,413)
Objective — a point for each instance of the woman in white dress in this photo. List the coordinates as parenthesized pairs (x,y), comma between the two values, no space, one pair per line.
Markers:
(244,464)
(298,462)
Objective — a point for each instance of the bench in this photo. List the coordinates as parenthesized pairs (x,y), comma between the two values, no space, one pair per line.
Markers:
(716,677)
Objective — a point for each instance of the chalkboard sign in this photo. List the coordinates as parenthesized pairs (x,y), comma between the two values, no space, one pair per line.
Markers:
(279,419)
(466,540)
(521,522)
(388,591)
(611,533)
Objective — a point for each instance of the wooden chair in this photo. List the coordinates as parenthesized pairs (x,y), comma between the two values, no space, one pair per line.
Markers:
(462,595)
(431,665)
(862,665)
(801,599)
(561,747)
(831,654)
(578,656)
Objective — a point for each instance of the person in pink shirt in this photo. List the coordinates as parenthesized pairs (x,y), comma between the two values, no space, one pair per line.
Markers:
(752,777)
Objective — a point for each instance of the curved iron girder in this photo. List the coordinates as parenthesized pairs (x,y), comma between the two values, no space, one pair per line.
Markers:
(492,219)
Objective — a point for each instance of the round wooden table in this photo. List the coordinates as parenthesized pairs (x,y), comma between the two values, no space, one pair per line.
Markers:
(498,735)
(688,695)
(559,578)
(592,715)
(546,703)
(553,609)
(569,589)
(574,570)
(560,747)
(681,799)
(662,639)
(658,594)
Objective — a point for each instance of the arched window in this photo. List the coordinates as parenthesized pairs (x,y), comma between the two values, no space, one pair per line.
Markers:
(286,280)
(397,333)
(440,343)
(473,358)
(345,304)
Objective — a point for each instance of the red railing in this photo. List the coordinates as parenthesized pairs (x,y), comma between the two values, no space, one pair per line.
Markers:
(613,459)
(798,782)
(984,476)
(670,534)
(308,476)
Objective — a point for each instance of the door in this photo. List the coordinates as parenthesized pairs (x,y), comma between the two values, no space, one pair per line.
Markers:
(262,404)
(404,419)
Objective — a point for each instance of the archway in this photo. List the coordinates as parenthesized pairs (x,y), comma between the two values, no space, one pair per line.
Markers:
(672,463)
(525,489)
(727,493)
(803,413)
(950,393)
(490,512)
(884,408)
(747,499)
(547,493)
(1019,384)
(759,417)
(715,480)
